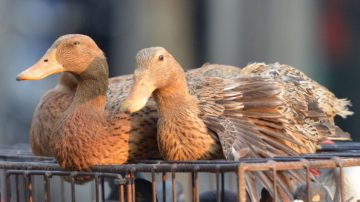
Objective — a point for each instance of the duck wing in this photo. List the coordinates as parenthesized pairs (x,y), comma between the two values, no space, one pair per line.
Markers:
(245,109)
(299,88)
(253,119)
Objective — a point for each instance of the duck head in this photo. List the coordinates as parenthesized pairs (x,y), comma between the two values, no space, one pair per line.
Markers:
(156,70)
(69,53)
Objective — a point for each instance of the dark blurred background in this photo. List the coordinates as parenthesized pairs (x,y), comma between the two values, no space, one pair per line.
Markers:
(321,38)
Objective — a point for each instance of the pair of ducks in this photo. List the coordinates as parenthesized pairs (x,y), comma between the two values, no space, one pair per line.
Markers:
(213,112)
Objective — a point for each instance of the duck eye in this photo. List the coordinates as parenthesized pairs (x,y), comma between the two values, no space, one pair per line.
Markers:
(46,60)
(76,42)
(161,57)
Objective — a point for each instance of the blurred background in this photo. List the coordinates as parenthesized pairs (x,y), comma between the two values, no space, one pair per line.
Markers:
(321,38)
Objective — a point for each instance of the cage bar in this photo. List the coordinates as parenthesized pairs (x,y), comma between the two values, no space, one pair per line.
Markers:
(21,170)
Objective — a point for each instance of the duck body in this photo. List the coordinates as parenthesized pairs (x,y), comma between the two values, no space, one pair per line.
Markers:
(51,107)
(244,115)
(86,130)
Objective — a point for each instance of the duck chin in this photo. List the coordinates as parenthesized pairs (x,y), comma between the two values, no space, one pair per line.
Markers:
(131,106)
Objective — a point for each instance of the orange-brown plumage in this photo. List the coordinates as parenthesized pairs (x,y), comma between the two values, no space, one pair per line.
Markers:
(50,109)
(68,133)
(87,128)
(251,114)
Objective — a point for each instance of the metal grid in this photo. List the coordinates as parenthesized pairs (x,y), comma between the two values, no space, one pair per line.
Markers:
(21,168)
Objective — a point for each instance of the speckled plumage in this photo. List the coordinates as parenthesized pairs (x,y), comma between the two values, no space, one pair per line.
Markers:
(82,125)
(50,109)
(292,77)
(77,146)
(249,114)
(308,108)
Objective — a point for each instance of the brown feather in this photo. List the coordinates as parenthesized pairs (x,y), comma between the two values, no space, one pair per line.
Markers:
(268,110)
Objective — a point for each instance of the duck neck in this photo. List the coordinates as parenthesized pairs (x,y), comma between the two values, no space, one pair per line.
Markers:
(92,85)
(180,127)
(67,81)
(175,97)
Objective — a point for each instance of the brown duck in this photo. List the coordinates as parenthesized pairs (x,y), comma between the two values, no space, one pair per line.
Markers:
(79,121)
(248,115)
(90,131)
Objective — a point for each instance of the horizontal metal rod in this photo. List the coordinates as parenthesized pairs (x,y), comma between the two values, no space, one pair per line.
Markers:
(63,173)
(200,166)
(333,163)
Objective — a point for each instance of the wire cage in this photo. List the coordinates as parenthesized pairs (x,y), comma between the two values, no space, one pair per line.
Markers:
(25,177)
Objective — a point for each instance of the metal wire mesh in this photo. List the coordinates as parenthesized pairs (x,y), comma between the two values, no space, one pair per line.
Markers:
(29,178)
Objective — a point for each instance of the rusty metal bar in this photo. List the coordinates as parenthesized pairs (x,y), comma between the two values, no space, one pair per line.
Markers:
(62,173)
(27,182)
(307,169)
(47,190)
(28,169)
(340,163)
(132,179)
(153,186)
(17,186)
(341,180)
(122,195)
(163,177)
(22,158)
(72,184)
(218,191)
(298,165)
(173,182)
(241,183)
(222,186)
(275,184)
(27,187)
(202,166)
(62,190)
(102,187)
(128,188)
(97,183)
(195,186)
(8,187)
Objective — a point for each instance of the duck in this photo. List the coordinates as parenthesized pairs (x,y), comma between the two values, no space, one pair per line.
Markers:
(236,117)
(90,132)
(78,121)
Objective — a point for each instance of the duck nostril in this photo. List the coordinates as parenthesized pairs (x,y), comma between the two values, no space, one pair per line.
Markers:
(46,60)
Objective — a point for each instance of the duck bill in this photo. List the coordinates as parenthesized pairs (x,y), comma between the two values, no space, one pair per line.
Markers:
(138,97)
(46,66)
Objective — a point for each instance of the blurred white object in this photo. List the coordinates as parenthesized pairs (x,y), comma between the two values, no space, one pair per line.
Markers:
(330,178)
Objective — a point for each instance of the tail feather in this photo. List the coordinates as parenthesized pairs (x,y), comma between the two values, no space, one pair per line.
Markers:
(342,108)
